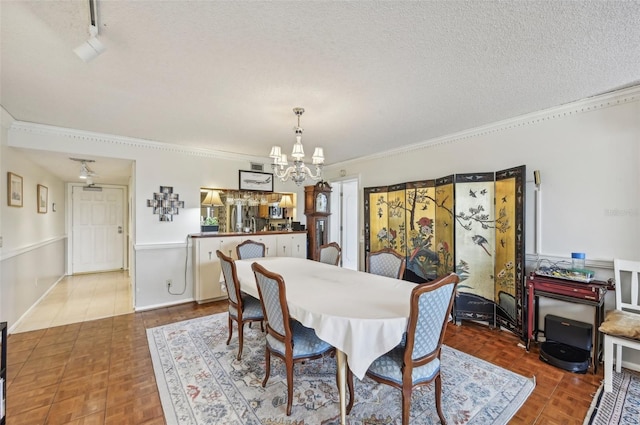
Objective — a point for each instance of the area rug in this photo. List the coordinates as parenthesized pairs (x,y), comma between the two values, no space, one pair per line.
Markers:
(621,406)
(201,382)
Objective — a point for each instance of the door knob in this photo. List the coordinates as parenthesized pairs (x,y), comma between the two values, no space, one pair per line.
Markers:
(119,229)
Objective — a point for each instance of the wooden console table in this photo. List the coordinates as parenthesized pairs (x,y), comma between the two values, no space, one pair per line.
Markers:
(591,294)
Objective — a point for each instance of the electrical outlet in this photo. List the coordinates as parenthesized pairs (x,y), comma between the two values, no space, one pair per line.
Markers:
(169,283)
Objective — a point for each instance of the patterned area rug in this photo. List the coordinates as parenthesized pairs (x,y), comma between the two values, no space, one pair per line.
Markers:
(620,406)
(201,382)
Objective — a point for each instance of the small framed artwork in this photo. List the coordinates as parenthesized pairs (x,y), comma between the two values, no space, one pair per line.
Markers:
(256,181)
(14,190)
(43,199)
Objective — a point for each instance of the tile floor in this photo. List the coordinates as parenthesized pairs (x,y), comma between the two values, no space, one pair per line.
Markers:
(81,298)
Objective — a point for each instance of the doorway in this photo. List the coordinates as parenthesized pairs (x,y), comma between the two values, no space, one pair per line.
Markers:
(343,226)
(97,229)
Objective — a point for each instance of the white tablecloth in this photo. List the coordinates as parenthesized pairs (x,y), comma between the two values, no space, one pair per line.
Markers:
(361,314)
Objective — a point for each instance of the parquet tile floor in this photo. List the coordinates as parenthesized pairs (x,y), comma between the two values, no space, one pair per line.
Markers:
(100,372)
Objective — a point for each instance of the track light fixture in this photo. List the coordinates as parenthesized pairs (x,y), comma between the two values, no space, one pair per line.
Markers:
(86,173)
(92,48)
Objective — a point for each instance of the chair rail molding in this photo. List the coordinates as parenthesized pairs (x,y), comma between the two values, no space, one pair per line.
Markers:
(28,248)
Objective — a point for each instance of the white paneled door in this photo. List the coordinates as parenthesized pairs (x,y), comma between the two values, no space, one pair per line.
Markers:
(344,220)
(98,229)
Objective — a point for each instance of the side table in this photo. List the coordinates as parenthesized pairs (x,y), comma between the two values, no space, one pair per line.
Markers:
(591,294)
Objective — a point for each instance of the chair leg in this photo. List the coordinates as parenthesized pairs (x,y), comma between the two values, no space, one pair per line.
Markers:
(608,364)
(406,404)
(351,393)
(439,399)
(267,359)
(230,329)
(240,338)
(618,348)
(289,366)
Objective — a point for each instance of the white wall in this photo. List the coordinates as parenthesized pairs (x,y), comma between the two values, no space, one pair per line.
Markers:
(588,155)
(33,248)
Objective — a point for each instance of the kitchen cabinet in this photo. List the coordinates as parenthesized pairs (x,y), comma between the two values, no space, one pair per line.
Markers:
(208,279)
(292,245)
(269,241)
(207,274)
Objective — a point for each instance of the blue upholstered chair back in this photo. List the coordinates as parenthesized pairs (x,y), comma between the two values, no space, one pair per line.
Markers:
(270,296)
(228,271)
(433,312)
(250,249)
(386,263)
(330,254)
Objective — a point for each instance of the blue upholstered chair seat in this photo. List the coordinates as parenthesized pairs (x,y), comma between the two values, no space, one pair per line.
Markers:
(252,308)
(389,366)
(305,342)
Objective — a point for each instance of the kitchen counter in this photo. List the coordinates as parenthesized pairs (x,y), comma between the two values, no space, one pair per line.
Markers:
(260,233)
(208,280)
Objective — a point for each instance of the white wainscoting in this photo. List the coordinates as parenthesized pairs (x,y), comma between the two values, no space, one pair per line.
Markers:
(27,274)
(155,264)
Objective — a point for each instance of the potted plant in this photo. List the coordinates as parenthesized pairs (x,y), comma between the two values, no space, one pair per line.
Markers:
(210,224)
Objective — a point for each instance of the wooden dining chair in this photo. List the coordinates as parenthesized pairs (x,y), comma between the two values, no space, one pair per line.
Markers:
(243,308)
(329,253)
(287,338)
(621,327)
(386,262)
(416,362)
(250,249)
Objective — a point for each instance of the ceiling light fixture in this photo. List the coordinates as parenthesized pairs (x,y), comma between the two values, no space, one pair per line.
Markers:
(298,171)
(92,48)
(85,172)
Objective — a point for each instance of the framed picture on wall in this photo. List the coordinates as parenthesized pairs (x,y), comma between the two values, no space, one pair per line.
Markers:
(256,181)
(14,190)
(43,199)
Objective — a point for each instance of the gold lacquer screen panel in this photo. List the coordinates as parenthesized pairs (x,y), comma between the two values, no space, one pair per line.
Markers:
(445,225)
(475,235)
(396,228)
(472,224)
(509,261)
(378,220)
(422,258)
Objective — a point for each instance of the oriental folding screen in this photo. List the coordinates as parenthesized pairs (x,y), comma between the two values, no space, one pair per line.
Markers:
(471,224)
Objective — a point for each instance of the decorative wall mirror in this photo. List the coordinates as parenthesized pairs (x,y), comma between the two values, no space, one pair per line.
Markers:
(244,211)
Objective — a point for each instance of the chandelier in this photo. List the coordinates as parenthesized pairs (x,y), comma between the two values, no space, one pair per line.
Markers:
(298,171)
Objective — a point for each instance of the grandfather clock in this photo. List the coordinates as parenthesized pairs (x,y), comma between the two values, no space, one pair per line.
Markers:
(316,208)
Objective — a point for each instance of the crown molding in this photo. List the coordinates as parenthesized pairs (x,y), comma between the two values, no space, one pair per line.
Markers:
(50,131)
(601,101)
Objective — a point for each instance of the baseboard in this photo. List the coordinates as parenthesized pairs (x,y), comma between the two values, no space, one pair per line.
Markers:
(163,305)
(630,365)
(17,322)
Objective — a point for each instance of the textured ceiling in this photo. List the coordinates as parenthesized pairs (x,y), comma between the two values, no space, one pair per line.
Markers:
(371,75)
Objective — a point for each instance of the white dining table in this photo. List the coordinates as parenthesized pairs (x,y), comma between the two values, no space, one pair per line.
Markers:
(362,315)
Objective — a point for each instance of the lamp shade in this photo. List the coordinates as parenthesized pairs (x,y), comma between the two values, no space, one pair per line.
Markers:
(276,152)
(318,156)
(286,202)
(213,199)
(298,151)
